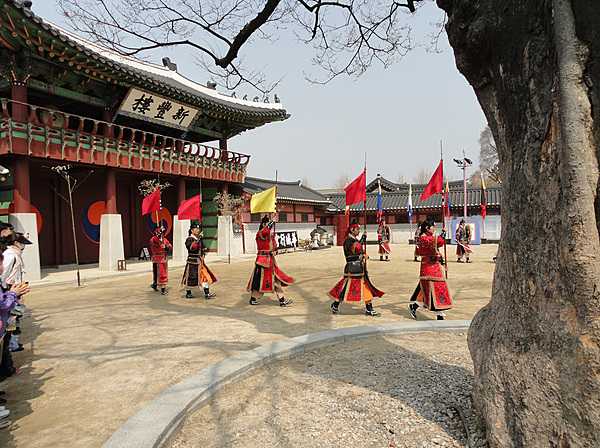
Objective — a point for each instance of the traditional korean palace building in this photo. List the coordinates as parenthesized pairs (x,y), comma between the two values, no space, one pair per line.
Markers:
(116,120)
(395,208)
(301,209)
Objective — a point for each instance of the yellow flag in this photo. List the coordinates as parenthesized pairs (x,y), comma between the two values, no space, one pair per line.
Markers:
(264,202)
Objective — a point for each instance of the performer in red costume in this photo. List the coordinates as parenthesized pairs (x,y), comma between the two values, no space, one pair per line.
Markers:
(355,285)
(432,291)
(384,235)
(267,276)
(159,246)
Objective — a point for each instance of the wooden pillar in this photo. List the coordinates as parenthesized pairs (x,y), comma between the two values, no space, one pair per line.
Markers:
(19,94)
(22,198)
(223,148)
(107,117)
(294,211)
(224,188)
(180,191)
(111,192)
(341,226)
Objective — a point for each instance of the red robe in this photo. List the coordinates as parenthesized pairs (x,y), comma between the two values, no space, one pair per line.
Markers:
(266,270)
(432,290)
(158,252)
(354,287)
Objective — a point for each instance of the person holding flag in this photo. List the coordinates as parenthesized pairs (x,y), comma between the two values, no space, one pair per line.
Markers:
(266,276)
(384,235)
(463,241)
(196,273)
(383,230)
(159,245)
(355,285)
(432,291)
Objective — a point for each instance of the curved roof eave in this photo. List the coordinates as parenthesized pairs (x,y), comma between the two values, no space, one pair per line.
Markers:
(149,72)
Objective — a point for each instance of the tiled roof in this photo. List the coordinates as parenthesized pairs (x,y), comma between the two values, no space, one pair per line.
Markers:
(388,185)
(153,76)
(398,200)
(286,191)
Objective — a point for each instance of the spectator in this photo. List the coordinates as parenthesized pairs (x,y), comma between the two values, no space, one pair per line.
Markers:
(13,260)
(8,301)
(13,275)
(6,232)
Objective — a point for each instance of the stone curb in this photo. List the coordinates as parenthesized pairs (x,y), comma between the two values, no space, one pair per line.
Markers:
(152,426)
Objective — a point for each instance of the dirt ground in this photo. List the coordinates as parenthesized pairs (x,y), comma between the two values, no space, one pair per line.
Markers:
(95,355)
(392,391)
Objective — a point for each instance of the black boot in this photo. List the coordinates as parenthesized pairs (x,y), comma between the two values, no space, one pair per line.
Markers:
(285,302)
(188,294)
(163,291)
(440,317)
(412,309)
(381,258)
(253,301)
(154,287)
(369,311)
(335,307)
(208,294)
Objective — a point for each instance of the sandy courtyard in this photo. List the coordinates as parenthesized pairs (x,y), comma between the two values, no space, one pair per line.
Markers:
(95,355)
(392,391)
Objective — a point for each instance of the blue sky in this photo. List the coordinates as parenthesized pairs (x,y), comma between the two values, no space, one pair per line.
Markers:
(396,115)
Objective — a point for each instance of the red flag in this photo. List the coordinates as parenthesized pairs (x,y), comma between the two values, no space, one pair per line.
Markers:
(151,203)
(436,183)
(190,209)
(356,191)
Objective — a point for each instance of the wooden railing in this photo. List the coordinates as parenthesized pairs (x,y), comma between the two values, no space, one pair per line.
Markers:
(42,132)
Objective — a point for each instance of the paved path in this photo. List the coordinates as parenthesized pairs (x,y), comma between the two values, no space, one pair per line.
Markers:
(95,355)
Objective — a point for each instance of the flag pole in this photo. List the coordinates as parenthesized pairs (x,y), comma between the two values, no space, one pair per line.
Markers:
(365,206)
(444,199)
(200,204)
(275,222)
(158,224)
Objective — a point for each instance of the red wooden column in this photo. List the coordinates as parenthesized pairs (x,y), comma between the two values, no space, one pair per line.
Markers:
(341,226)
(111,192)
(223,148)
(19,94)
(22,196)
(180,191)
(106,116)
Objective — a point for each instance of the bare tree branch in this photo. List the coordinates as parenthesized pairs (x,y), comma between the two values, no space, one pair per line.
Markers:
(347,35)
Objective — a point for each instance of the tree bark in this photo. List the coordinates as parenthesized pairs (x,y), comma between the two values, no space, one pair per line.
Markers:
(535,68)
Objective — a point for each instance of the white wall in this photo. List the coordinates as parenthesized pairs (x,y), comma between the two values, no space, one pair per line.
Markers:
(492,227)
(228,243)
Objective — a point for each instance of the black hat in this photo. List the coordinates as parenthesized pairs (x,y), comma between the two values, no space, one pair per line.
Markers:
(5,225)
(19,237)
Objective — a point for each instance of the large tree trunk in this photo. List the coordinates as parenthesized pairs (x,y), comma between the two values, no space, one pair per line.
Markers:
(535,67)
